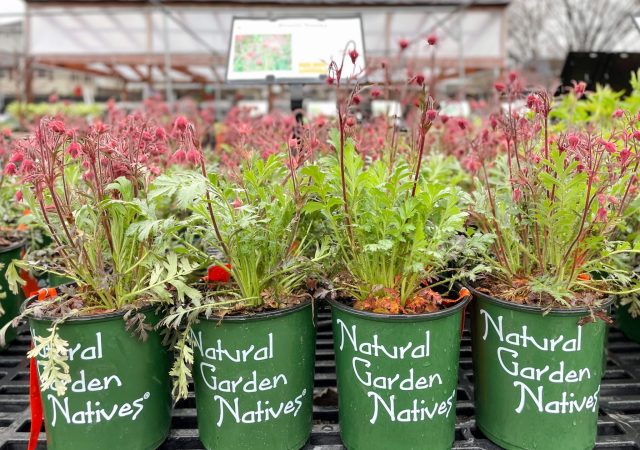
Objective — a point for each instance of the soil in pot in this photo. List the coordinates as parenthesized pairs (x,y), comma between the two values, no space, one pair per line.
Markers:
(119,396)
(537,373)
(253,376)
(397,376)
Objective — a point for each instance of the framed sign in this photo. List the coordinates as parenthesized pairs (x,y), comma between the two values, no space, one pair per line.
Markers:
(292,49)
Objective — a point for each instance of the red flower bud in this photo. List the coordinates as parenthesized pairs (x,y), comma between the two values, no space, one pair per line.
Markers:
(353,54)
(432,39)
(403,44)
(375,93)
(356,99)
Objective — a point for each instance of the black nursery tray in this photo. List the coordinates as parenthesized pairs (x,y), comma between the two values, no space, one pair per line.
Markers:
(618,421)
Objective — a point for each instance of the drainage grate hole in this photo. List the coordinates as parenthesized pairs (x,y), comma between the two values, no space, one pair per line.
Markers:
(187,403)
(21,446)
(464,411)
(21,376)
(184,422)
(609,429)
(26,427)
(13,407)
(462,394)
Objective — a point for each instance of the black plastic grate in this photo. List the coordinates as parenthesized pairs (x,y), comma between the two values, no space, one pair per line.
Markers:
(618,421)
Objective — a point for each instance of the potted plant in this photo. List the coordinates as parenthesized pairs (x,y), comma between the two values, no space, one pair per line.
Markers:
(396,318)
(251,337)
(551,203)
(12,234)
(102,367)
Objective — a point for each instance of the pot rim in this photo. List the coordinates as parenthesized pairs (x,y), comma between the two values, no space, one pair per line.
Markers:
(608,301)
(402,318)
(81,319)
(21,243)
(257,316)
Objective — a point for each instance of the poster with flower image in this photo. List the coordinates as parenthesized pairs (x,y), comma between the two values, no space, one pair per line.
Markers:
(295,49)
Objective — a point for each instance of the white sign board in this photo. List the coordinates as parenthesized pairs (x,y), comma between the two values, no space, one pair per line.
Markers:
(297,49)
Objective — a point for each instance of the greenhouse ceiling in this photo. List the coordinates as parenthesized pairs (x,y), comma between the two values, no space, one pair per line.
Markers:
(139,41)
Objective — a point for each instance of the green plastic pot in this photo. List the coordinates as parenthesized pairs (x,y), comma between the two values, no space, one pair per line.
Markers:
(11,302)
(628,324)
(54,280)
(537,376)
(120,394)
(253,378)
(397,377)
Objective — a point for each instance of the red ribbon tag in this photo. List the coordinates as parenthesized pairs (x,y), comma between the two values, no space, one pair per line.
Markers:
(218,274)
(36,404)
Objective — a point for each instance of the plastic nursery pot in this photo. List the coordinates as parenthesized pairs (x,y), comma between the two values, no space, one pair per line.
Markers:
(54,280)
(11,302)
(397,377)
(119,396)
(628,324)
(537,377)
(253,378)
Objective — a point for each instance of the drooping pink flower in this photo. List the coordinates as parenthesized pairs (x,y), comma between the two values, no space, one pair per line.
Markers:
(579,88)
(193,156)
(517,194)
(499,86)
(573,140)
(180,156)
(618,113)
(636,135)
(403,44)
(10,169)
(237,203)
(350,121)
(431,115)
(181,123)
(419,79)
(353,54)
(601,215)
(16,157)
(57,126)
(74,149)
(19,196)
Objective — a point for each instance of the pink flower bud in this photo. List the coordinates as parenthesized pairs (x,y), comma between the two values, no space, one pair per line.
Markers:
(10,169)
(431,115)
(618,113)
(432,39)
(237,203)
(375,93)
(513,76)
(403,44)
(19,196)
(350,122)
(636,135)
